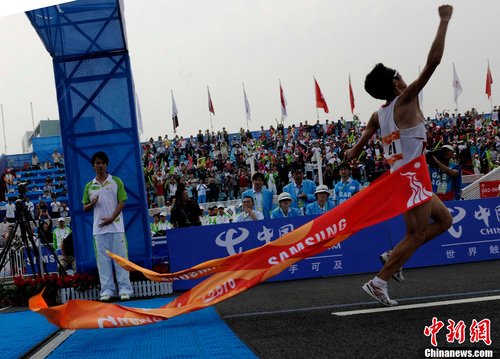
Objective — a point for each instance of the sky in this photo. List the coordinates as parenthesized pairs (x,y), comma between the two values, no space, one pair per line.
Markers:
(187,45)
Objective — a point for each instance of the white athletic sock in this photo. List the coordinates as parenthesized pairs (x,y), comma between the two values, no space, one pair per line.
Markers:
(379,282)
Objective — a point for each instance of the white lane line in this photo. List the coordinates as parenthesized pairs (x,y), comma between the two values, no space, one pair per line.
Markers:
(52,344)
(415,306)
(5,308)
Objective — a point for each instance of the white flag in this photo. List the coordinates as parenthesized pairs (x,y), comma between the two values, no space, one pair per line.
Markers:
(175,113)
(247,105)
(457,87)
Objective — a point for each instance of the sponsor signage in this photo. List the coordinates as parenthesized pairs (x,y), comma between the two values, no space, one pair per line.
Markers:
(474,236)
(489,189)
(48,258)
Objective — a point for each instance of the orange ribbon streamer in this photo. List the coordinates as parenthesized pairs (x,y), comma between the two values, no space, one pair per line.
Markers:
(385,198)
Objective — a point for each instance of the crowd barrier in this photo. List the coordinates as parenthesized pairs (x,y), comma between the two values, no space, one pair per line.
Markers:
(474,236)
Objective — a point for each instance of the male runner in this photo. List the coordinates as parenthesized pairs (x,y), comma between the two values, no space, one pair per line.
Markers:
(401,124)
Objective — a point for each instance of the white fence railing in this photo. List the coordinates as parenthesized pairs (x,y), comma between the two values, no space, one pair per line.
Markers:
(141,289)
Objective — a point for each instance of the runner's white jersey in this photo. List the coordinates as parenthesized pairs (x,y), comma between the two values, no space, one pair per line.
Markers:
(400,145)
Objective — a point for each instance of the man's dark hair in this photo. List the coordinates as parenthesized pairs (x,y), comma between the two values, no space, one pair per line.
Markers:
(258,175)
(378,83)
(251,197)
(344,165)
(101,155)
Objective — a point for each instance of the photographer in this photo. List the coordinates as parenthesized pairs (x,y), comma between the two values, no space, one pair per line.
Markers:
(446,175)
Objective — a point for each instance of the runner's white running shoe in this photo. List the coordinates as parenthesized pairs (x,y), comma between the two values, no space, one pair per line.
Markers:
(399,274)
(379,294)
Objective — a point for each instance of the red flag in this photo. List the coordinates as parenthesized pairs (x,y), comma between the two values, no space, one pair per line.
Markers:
(284,112)
(351,95)
(489,81)
(320,100)
(210,104)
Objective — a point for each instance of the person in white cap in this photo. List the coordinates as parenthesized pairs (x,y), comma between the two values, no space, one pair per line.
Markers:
(323,204)
(163,225)
(64,254)
(285,209)
(222,216)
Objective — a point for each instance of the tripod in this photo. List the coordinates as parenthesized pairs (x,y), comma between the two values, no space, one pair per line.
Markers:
(34,254)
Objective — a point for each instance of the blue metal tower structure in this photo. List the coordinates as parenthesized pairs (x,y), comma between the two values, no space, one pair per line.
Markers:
(87,42)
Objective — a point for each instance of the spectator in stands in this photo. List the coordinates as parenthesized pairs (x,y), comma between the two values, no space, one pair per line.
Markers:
(212,215)
(213,190)
(64,210)
(322,204)
(164,224)
(445,174)
(108,226)
(9,181)
(248,213)
(284,209)
(154,226)
(346,187)
(45,231)
(46,195)
(301,190)
(370,168)
(222,216)
(55,206)
(4,231)
(263,198)
(59,235)
(243,180)
(35,162)
(10,211)
(30,206)
(57,158)
(172,186)
(204,216)
(47,165)
(159,184)
(185,212)
(41,205)
(202,193)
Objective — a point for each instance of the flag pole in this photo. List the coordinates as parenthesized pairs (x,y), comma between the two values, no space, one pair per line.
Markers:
(246,116)
(32,116)
(3,125)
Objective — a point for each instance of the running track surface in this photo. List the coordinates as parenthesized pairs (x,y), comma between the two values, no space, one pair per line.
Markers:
(295,320)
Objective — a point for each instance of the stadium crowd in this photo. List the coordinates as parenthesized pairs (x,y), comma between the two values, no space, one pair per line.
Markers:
(215,167)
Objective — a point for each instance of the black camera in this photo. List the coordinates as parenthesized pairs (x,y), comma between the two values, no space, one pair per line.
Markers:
(431,154)
(22,188)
